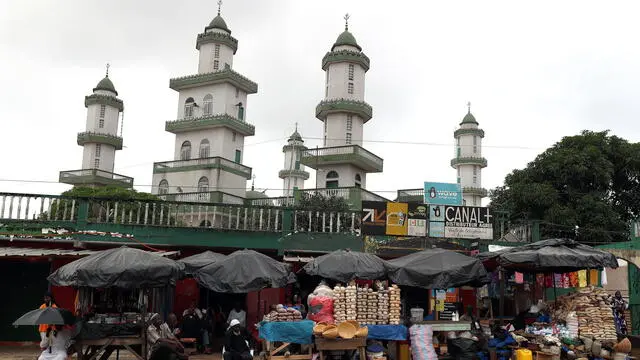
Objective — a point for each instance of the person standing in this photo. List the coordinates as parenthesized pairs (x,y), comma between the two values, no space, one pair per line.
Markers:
(239,314)
(619,306)
(48,302)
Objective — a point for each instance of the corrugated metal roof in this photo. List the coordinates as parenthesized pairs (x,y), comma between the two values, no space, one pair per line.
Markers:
(30,252)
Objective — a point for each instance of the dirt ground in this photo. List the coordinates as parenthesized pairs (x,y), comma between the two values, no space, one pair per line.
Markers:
(32,353)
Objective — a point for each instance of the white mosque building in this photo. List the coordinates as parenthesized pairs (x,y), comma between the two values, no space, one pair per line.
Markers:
(293,173)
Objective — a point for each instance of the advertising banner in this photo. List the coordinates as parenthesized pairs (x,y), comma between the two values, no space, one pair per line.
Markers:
(374,218)
(397,218)
(442,193)
(460,222)
(418,215)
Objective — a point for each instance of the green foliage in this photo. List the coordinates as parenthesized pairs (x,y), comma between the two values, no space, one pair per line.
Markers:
(109,192)
(591,180)
(317,202)
(320,202)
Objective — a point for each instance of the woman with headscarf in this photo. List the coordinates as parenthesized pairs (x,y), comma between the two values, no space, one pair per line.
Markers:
(619,306)
(56,343)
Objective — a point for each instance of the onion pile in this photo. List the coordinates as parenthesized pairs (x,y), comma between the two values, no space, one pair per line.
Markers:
(394,305)
(350,302)
(383,306)
(339,303)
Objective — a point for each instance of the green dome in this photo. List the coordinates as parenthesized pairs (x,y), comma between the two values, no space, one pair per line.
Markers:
(346,38)
(218,23)
(469,119)
(106,84)
(295,136)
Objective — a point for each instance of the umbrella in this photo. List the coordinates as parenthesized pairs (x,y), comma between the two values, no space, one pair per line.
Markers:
(48,316)
(244,271)
(552,255)
(345,265)
(195,262)
(437,269)
(120,267)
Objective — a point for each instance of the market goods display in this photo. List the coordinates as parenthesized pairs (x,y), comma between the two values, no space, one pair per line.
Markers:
(383,305)
(592,307)
(394,305)
(320,305)
(372,307)
(350,302)
(361,304)
(283,314)
(339,303)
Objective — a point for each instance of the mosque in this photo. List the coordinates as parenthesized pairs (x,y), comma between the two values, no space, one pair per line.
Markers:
(212,124)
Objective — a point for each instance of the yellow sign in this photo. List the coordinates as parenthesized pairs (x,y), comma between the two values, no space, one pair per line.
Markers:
(439,305)
(397,218)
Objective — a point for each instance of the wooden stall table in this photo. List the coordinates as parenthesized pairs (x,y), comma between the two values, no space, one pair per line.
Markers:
(324,344)
(272,351)
(279,336)
(90,349)
(446,325)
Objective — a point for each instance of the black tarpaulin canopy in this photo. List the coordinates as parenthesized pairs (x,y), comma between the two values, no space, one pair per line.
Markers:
(553,255)
(194,262)
(244,271)
(120,267)
(345,265)
(437,269)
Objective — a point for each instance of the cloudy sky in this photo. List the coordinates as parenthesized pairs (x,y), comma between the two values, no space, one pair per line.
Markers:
(533,71)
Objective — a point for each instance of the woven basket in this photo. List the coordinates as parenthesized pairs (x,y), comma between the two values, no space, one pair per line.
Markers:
(362,332)
(330,333)
(319,328)
(346,330)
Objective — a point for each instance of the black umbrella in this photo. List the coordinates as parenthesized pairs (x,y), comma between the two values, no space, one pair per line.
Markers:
(437,269)
(244,271)
(198,261)
(120,267)
(345,265)
(48,316)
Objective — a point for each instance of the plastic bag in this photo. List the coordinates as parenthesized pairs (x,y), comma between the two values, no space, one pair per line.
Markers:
(321,309)
(421,343)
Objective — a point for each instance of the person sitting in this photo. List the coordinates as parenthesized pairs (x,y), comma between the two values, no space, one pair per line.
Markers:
(55,343)
(159,347)
(194,326)
(236,343)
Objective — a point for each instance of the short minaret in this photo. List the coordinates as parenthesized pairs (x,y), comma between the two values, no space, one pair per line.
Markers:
(342,161)
(293,174)
(468,160)
(100,140)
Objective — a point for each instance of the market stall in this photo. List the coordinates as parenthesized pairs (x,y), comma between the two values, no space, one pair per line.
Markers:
(110,299)
(196,262)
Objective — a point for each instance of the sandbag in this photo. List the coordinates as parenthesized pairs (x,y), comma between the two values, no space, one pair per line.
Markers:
(422,343)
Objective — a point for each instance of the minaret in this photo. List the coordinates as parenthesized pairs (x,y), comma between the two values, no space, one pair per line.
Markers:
(468,160)
(100,140)
(293,174)
(342,161)
(211,125)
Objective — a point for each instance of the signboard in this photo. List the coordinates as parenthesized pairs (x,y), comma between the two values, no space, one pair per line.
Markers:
(442,193)
(460,222)
(418,215)
(374,218)
(397,218)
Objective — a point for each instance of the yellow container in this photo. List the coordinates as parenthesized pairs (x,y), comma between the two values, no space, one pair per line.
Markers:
(524,354)
(403,351)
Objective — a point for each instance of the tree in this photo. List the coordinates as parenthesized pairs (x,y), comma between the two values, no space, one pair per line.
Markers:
(591,181)
(317,212)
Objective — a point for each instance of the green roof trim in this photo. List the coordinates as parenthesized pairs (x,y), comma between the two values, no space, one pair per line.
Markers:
(293,146)
(94,177)
(107,85)
(104,100)
(460,132)
(480,161)
(88,137)
(295,173)
(296,136)
(217,38)
(469,119)
(360,108)
(225,75)
(218,23)
(346,154)
(215,162)
(332,57)
(346,38)
(209,122)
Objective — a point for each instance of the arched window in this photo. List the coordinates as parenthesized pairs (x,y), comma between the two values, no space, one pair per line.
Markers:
(203,184)
(185,151)
(204,148)
(358,180)
(163,187)
(332,180)
(188,108)
(208,105)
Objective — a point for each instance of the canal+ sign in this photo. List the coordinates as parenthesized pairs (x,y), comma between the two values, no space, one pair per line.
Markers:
(442,193)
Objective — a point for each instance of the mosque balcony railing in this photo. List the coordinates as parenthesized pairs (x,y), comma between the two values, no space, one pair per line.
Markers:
(210,122)
(293,173)
(94,177)
(354,196)
(215,162)
(342,56)
(46,210)
(224,75)
(203,197)
(101,99)
(278,201)
(477,191)
(469,160)
(476,132)
(218,38)
(99,138)
(346,154)
(351,106)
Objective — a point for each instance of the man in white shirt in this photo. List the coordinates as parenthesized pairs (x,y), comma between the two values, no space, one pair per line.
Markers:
(238,314)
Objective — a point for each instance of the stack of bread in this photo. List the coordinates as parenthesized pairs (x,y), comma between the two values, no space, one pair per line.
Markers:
(394,305)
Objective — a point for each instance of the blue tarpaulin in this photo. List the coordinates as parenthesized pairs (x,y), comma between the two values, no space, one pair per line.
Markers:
(297,332)
(387,332)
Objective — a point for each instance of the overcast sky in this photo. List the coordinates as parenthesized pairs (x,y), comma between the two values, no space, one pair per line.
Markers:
(533,71)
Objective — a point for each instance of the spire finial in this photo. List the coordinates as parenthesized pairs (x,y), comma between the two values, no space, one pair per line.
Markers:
(219,5)
(107,75)
(253,182)
(469,107)
(346,22)
(296,126)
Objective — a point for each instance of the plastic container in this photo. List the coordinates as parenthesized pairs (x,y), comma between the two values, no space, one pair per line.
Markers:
(524,354)
(417,314)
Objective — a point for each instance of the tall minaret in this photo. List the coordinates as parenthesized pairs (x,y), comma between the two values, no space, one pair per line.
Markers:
(343,162)
(211,125)
(468,160)
(100,140)
(293,174)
